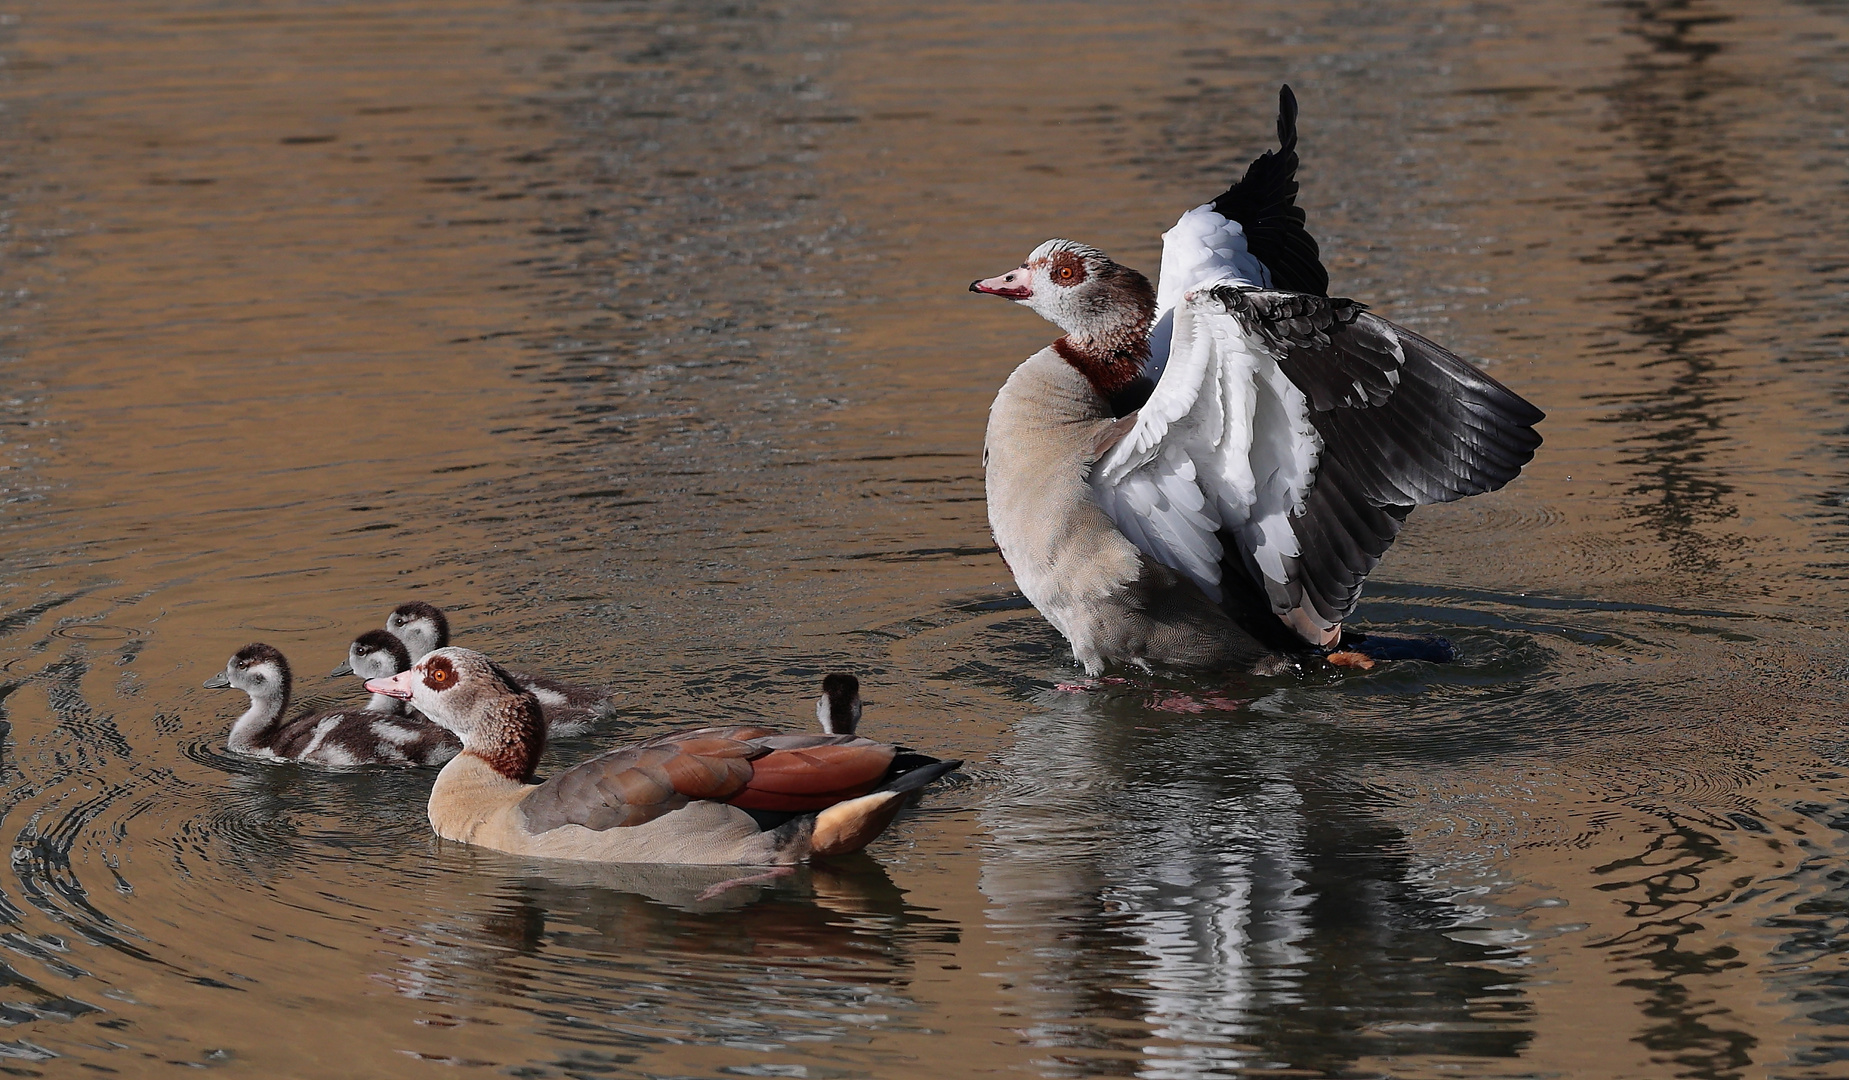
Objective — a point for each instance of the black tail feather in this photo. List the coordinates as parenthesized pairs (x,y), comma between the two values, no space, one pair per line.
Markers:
(920,775)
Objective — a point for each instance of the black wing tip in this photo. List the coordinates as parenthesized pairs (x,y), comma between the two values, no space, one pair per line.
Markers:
(1287,119)
(922,776)
(1264,203)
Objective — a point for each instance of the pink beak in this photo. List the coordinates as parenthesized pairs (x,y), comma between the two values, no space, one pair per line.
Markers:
(398,686)
(1013,285)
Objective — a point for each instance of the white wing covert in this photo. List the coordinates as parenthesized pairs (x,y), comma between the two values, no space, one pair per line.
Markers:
(1222,452)
(1203,247)
(1308,428)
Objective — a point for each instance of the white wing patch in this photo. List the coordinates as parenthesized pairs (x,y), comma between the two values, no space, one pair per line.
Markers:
(1283,455)
(1203,247)
(323,728)
(394,736)
(1223,448)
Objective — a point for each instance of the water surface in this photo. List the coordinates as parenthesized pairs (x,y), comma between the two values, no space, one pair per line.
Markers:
(635,335)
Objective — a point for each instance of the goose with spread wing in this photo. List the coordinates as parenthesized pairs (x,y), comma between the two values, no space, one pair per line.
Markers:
(1199,474)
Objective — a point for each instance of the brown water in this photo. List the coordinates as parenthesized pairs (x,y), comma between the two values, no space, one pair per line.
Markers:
(635,334)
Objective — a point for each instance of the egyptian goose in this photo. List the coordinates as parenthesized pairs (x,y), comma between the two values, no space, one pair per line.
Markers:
(344,737)
(1199,474)
(570,708)
(714,796)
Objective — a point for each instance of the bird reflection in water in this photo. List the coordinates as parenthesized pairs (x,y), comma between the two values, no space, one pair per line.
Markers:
(661,938)
(1234,896)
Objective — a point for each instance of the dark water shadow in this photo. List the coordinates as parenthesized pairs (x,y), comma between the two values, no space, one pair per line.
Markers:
(1673,232)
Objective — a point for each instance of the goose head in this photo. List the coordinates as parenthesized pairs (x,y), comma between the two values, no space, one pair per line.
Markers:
(422,627)
(260,671)
(1079,289)
(257,669)
(377,654)
(497,719)
(838,709)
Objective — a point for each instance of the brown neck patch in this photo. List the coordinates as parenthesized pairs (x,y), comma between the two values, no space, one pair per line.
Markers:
(518,738)
(1109,340)
(1110,366)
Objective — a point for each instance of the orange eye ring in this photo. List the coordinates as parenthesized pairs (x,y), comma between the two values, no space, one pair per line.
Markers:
(439,675)
(1065,273)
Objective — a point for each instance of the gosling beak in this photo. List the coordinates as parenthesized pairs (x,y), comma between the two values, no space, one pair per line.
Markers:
(398,686)
(345,668)
(1012,285)
(220,681)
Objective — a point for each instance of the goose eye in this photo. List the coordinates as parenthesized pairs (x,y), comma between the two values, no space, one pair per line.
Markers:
(438,674)
(1065,273)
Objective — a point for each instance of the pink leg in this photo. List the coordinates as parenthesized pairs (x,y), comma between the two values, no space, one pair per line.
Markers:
(1193,703)
(1086,686)
(755,879)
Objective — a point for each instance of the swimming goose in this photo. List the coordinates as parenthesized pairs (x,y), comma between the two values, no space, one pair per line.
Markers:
(570,708)
(344,737)
(716,796)
(377,654)
(1198,474)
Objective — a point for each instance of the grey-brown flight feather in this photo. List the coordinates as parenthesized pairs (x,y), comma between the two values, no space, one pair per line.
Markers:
(1403,423)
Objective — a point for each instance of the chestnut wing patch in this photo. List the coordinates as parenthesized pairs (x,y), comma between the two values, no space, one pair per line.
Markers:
(813,772)
(739,734)
(641,783)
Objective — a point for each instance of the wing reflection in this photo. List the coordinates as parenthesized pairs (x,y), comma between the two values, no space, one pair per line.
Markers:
(1229,898)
